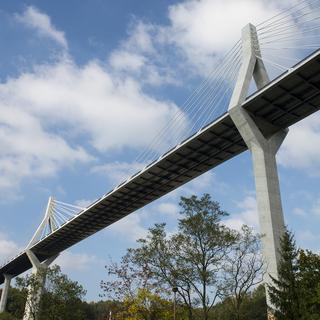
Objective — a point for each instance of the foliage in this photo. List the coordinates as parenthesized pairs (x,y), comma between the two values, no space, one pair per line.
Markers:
(196,260)
(254,307)
(16,302)
(284,294)
(61,298)
(145,306)
(296,293)
(102,309)
(309,284)
(191,259)
(126,277)
(31,287)
(7,316)
(242,270)
(201,245)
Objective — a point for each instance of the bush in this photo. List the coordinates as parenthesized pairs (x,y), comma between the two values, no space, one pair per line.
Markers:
(7,316)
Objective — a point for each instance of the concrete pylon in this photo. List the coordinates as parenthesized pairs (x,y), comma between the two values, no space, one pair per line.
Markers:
(5,291)
(35,289)
(263,150)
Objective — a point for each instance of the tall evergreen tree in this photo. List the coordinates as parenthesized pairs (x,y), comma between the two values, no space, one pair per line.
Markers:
(309,284)
(284,293)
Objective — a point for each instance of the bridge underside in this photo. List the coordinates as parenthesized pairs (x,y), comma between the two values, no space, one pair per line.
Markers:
(285,101)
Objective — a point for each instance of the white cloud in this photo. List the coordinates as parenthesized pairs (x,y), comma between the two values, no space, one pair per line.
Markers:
(309,239)
(207,28)
(316,208)
(248,215)
(124,60)
(299,148)
(28,150)
(197,34)
(117,172)
(83,203)
(299,212)
(45,111)
(129,228)
(8,248)
(41,22)
(168,209)
(138,57)
(76,261)
(200,185)
(114,112)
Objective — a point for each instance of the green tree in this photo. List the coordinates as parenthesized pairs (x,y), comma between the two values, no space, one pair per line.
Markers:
(61,298)
(31,287)
(7,316)
(145,306)
(16,302)
(191,259)
(309,284)
(284,293)
(157,254)
(254,306)
(202,244)
(125,278)
(243,270)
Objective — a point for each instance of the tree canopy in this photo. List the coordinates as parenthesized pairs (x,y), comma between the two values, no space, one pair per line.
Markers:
(295,294)
(197,261)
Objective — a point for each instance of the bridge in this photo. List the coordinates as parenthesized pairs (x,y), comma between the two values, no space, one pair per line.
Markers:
(258,123)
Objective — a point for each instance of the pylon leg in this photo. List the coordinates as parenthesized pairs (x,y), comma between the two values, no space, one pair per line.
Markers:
(36,287)
(5,291)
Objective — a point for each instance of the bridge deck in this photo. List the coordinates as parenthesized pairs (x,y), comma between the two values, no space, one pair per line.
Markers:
(285,101)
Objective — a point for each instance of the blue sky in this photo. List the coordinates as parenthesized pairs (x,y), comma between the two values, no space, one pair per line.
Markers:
(85,86)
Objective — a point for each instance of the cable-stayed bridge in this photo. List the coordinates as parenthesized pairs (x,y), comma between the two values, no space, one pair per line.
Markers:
(285,101)
(258,123)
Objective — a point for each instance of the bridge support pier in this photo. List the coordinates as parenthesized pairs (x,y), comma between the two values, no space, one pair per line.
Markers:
(263,150)
(268,196)
(36,286)
(5,291)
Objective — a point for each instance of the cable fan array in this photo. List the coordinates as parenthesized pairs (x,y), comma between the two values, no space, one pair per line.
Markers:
(205,104)
(57,214)
(290,36)
(284,40)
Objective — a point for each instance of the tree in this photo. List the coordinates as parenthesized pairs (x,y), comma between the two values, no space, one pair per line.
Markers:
(7,316)
(204,261)
(254,306)
(101,310)
(31,287)
(145,306)
(61,297)
(16,302)
(202,245)
(284,292)
(158,255)
(309,284)
(126,278)
(243,269)
(191,259)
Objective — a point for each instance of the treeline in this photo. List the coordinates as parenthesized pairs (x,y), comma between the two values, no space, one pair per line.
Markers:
(201,264)
(203,271)
(145,306)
